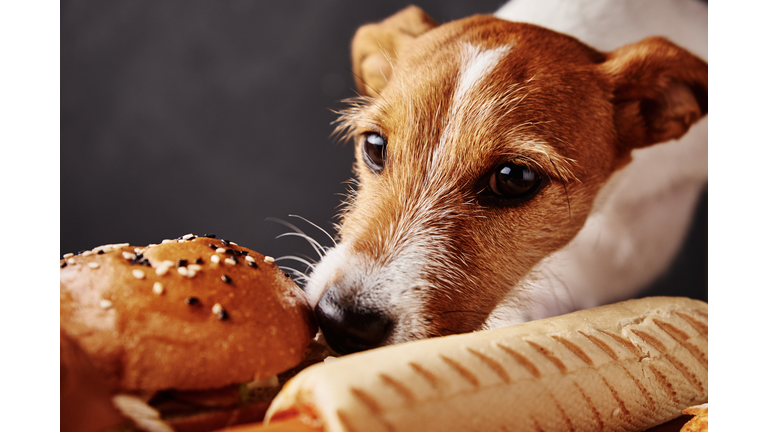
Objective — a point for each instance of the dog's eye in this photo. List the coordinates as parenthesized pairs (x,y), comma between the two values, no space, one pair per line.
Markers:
(514,181)
(374,151)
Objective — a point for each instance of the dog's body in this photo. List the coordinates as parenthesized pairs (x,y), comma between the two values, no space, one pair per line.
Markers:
(508,173)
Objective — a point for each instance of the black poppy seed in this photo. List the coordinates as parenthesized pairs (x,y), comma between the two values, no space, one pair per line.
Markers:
(140,261)
(212,246)
(244,252)
(230,252)
(100,252)
(226,279)
(63,264)
(199,261)
(181,263)
(225,242)
(223,315)
(209,235)
(191,301)
(139,256)
(253,264)
(234,258)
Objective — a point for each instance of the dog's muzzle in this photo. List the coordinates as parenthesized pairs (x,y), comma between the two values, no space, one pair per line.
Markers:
(349,329)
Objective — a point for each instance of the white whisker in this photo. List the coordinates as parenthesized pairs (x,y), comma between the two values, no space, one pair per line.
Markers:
(295,258)
(316,226)
(299,275)
(319,249)
(315,245)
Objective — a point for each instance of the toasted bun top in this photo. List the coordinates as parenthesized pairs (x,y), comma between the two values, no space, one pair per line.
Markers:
(170,316)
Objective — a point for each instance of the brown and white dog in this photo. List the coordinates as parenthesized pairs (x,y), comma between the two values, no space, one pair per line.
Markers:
(508,171)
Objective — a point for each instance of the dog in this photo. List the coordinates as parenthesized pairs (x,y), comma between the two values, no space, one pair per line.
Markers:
(514,166)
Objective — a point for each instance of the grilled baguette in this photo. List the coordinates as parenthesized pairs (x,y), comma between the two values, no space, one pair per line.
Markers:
(623,367)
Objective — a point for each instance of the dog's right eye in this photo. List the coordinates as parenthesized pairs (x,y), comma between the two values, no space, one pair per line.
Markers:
(514,182)
(374,151)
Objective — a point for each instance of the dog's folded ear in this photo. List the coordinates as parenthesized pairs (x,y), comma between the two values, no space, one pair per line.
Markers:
(659,91)
(375,47)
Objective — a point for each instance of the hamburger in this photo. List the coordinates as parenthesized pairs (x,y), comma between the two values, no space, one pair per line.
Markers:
(192,334)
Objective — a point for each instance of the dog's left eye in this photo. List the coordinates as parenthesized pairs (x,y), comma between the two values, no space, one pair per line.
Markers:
(513,181)
(374,151)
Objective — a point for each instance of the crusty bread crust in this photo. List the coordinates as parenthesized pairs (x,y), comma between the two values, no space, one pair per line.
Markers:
(623,367)
(147,338)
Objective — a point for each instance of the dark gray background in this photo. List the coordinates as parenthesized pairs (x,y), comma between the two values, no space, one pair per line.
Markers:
(212,116)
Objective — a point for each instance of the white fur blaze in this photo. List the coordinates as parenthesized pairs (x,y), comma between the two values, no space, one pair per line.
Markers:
(476,65)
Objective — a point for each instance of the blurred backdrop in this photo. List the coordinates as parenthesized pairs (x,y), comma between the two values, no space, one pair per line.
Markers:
(200,117)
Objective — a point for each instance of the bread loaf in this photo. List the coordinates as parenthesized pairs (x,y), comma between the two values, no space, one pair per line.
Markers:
(623,367)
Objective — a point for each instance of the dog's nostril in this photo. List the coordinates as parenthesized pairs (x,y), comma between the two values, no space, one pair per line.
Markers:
(349,330)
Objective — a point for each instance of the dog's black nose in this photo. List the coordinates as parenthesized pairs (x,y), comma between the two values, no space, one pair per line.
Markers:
(350,329)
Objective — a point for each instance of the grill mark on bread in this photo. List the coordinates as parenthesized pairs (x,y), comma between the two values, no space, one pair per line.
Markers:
(492,364)
(345,421)
(602,345)
(665,384)
(370,402)
(549,356)
(572,347)
(626,343)
(595,413)
(563,414)
(701,328)
(691,378)
(348,423)
(433,380)
(401,389)
(643,390)
(367,400)
(462,371)
(521,360)
(536,425)
(682,338)
(616,396)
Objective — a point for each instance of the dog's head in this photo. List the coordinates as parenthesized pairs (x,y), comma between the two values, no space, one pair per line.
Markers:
(481,145)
